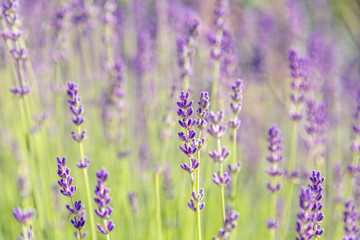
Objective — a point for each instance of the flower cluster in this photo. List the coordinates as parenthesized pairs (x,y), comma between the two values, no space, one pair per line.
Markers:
(310,217)
(316,118)
(186,49)
(275,147)
(13,33)
(77,110)
(299,84)
(24,216)
(190,147)
(103,200)
(229,226)
(236,103)
(196,198)
(351,216)
(65,182)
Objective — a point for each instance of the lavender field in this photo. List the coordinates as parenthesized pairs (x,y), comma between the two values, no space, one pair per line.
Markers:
(180,119)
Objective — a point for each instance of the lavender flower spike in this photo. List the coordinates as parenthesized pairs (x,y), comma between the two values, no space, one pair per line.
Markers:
(229,226)
(275,147)
(76,208)
(103,200)
(24,217)
(351,216)
(310,216)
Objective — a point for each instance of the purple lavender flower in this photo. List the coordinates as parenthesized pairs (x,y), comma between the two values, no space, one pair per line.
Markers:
(310,216)
(103,200)
(66,181)
(196,198)
(185,111)
(216,129)
(299,84)
(229,226)
(351,217)
(134,202)
(24,216)
(275,147)
(236,103)
(305,223)
(317,180)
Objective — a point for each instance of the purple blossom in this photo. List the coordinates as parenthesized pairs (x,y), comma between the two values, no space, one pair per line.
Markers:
(103,200)
(228,227)
(196,198)
(23,216)
(351,217)
(299,83)
(310,216)
(76,209)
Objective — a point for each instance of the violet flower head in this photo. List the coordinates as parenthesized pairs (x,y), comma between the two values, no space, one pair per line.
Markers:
(310,216)
(66,180)
(134,202)
(76,209)
(217,129)
(185,111)
(229,226)
(299,84)
(236,102)
(305,224)
(103,200)
(275,147)
(317,181)
(354,169)
(195,198)
(24,216)
(351,217)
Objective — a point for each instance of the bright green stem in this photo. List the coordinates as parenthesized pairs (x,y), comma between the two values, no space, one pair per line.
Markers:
(273,210)
(222,190)
(233,200)
(25,232)
(186,78)
(198,218)
(107,235)
(355,162)
(214,88)
(158,207)
(87,188)
(293,152)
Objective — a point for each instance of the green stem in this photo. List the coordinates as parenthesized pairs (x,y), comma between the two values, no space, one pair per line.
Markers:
(107,235)
(222,190)
(273,210)
(87,188)
(158,207)
(198,217)
(25,232)
(234,162)
(80,235)
(293,152)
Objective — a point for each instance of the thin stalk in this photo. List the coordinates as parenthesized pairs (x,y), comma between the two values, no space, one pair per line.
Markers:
(158,207)
(293,152)
(107,235)
(25,232)
(80,235)
(222,190)
(198,217)
(87,188)
(216,72)
(234,153)
(273,210)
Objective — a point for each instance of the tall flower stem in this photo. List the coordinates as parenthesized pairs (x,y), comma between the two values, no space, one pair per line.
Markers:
(273,209)
(222,190)
(293,152)
(25,231)
(234,152)
(198,217)
(158,207)
(87,188)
